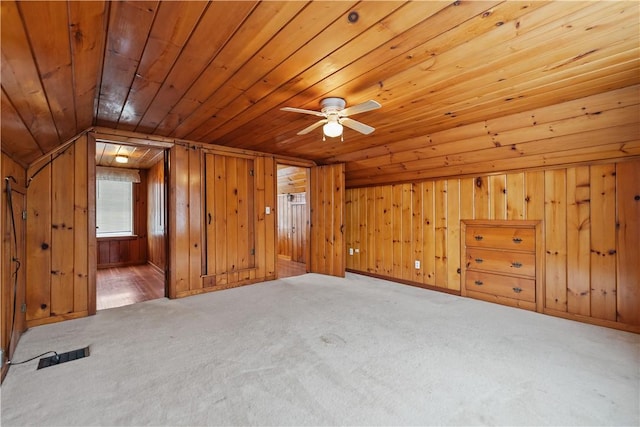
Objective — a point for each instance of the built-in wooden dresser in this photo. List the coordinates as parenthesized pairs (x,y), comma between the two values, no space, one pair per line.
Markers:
(502,262)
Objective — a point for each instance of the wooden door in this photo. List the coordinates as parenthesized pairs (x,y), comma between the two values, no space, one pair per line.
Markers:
(327,198)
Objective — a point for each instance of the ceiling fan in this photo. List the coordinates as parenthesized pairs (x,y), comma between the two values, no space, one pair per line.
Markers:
(336,115)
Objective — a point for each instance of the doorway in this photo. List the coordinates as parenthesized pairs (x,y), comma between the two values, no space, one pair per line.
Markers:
(293,220)
(131,224)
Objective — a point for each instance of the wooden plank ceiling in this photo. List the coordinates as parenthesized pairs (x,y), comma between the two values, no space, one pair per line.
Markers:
(219,72)
(138,157)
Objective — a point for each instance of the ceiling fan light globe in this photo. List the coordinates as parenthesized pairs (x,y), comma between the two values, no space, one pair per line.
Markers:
(332,129)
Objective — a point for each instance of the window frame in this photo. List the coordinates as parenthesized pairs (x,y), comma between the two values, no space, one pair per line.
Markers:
(133,226)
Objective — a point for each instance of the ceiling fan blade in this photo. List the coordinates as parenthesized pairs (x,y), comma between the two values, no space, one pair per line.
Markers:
(312,127)
(357,126)
(301,110)
(360,108)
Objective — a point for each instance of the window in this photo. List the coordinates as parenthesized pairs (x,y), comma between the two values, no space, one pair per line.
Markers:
(114,208)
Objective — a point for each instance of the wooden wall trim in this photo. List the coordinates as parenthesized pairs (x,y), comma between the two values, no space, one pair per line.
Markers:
(405,282)
(594,321)
(57,318)
(57,149)
(92,243)
(127,137)
(156,216)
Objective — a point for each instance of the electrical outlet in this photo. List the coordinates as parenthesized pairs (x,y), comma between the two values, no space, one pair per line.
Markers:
(357,250)
(417,264)
(1,358)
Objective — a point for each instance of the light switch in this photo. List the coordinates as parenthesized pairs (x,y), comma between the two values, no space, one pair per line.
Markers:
(267,210)
(417,264)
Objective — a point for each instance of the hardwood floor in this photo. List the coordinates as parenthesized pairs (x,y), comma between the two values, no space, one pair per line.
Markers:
(120,286)
(288,268)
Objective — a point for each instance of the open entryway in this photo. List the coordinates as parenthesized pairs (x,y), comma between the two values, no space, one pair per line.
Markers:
(131,224)
(293,220)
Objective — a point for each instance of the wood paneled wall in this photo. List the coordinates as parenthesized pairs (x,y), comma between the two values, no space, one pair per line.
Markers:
(293,225)
(121,251)
(229,184)
(187,232)
(60,241)
(156,218)
(591,219)
(12,252)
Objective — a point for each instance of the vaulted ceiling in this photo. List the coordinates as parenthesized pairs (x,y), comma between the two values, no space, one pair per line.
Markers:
(219,72)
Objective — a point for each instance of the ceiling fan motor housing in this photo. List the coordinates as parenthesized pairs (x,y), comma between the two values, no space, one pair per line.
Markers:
(332,105)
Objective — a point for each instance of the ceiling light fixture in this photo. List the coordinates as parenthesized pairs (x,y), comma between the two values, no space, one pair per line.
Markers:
(122,159)
(336,116)
(332,129)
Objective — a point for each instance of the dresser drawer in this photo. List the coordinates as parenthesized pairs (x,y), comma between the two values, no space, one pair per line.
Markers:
(510,238)
(506,286)
(520,263)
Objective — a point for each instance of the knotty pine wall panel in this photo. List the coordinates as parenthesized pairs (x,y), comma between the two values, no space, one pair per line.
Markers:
(60,241)
(8,252)
(628,235)
(217,218)
(179,236)
(230,226)
(156,219)
(293,220)
(555,215)
(589,213)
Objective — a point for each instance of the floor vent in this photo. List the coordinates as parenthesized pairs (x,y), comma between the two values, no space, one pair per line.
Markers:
(69,356)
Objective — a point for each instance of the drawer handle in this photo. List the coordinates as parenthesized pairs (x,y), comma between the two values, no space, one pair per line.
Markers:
(478,282)
(478,237)
(479,260)
(517,290)
(517,240)
(516,264)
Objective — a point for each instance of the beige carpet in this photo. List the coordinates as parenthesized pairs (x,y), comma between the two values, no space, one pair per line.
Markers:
(317,350)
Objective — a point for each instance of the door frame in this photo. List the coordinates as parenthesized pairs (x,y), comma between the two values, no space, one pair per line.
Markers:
(99,136)
(307,228)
